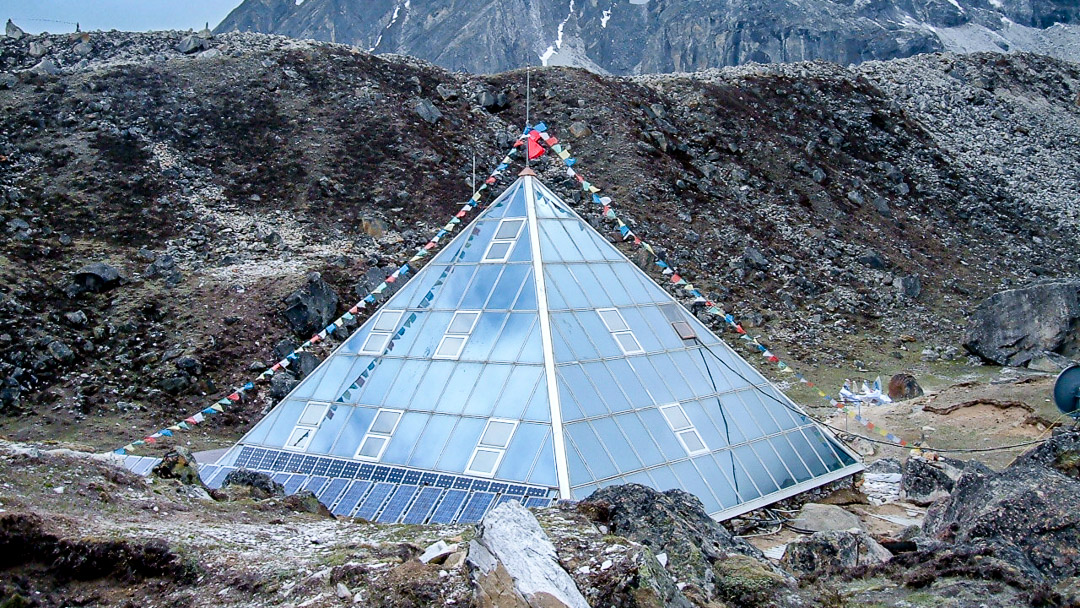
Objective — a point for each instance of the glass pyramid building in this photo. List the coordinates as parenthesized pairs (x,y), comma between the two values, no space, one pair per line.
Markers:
(531,360)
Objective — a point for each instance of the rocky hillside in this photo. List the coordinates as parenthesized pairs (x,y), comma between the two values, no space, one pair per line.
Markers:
(643,36)
(165,197)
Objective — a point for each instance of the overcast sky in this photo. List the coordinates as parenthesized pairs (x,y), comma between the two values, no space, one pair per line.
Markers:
(57,16)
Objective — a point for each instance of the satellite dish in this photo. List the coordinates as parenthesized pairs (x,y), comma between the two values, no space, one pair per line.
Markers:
(1067,391)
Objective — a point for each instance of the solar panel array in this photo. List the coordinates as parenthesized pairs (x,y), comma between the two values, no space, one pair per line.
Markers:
(373,492)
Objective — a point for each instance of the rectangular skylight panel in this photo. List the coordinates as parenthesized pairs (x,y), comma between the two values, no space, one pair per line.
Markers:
(497,251)
(385,422)
(313,414)
(372,447)
(628,343)
(676,417)
(463,322)
(612,319)
(375,343)
(300,438)
(692,441)
(498,433)
(508,229)
(388,320)
(450,347)
(484,462)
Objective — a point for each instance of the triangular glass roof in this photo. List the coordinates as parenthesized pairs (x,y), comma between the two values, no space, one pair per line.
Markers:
(531,354)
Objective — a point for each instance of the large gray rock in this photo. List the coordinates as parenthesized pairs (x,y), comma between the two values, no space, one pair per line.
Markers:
(510,542)
(312,307)
(13,31)
(1025,515)
(924,481)
(816,517)
(95,278)
(428,111)
(1012,327)
(191,44)
(832,551)
(179,463)
(673,523)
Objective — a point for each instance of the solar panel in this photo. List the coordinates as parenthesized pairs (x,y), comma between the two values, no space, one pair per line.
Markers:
(445,481)
(308,465)
(243,457)
(280,459)
(421,507)
(330,492)
(537,502)
(474,511)
(143,466)
(397,503)
(314,484)
(412,477)
(375,499)
(395,475)
(365,471)
(429,479)
(481,486)
(280,478)
(321,466)
(351,469)
(351,498)
(462,483)
(507,498)
(292,486)
(335,469)
(448,508)
(381,473)
(495,488)
(537,492)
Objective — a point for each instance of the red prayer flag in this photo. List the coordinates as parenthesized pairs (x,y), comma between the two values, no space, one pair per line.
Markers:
(535,149)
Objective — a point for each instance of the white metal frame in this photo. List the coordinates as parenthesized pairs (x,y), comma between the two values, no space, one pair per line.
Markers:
(457,335)
(308,428)
(508,241)
(498,450)
(386,437)
(690,428)
(384,334)
(620,331)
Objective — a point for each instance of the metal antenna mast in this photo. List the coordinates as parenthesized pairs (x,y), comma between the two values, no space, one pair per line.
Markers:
(528,68)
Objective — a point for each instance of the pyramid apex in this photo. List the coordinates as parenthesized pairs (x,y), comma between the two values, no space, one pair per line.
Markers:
(527,171)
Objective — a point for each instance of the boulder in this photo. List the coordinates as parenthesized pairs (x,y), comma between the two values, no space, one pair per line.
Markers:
(579,130)
(755,259)
(816,517)
(673,523)
(95,278)
(438,552)
(924,481)
(306,502)
(13,31)
(903,387)
(447,92)
(831,551)
(179,464)
(45,67)
(1025,514)
(1048,362)
(515,564)
(1015,326)
(312,307)
(192,44)
(909,286)
(242,482)
(427,110)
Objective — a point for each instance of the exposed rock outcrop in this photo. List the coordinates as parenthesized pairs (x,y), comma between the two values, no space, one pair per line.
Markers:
(1013,327)
(312,307)
(833,551)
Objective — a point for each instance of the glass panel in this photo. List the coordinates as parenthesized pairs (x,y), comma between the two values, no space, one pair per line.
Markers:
(584,392)
(643,288)
(516,206)
(508,229)
(743,484)
(613,320)
(498,251)
(497,434)
(329,429)
(570,409)
(621,452)
(693,482)
(772,463)
(691,440)
(640,438)
(483,461)
(387,320)
(405,384)
(628,380)
(484,335)
(551,252)
(523,249)
(614,290)
(430,444)
(559,276)
(662,433)
(671,375)
(313,414)
(675,417)
(508,344)
(405,436)
(467,250)
(353,432)
(600,337)
(487,390)
(606,385)
(379,382)
(719,482)
(508,286)
(590,448)
(433,383)
(745,456)
(300,438)
(543,472)
(522,451)
(375,343)
(450,347)
(665,479)
(710,434)
(579,473)
(283,425)
(571,331)
(519,387)
(696,374)
(448,295)
(642,330)
(787,456)
(539,408)
(385,422)
(762,417)
(483,282)
(455,393)
(371,447)
(740,423)
(527,299)
(460,446)
(421,339)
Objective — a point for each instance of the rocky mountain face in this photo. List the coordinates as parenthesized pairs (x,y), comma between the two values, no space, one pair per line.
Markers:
(165,199)
(645,36)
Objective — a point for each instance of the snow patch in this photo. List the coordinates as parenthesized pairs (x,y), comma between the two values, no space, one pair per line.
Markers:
(603,19)
(551,50)
(393,20)
(996,3)
(957,5)
(299,2)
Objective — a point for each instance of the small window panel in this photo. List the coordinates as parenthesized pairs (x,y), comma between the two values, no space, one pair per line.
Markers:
(503,240)
(628,343)
(306,426)
(463,322)
(450,347)
(385,325)
(378,436)
(491,447)
(612,319)
(684,429)
(388,320)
